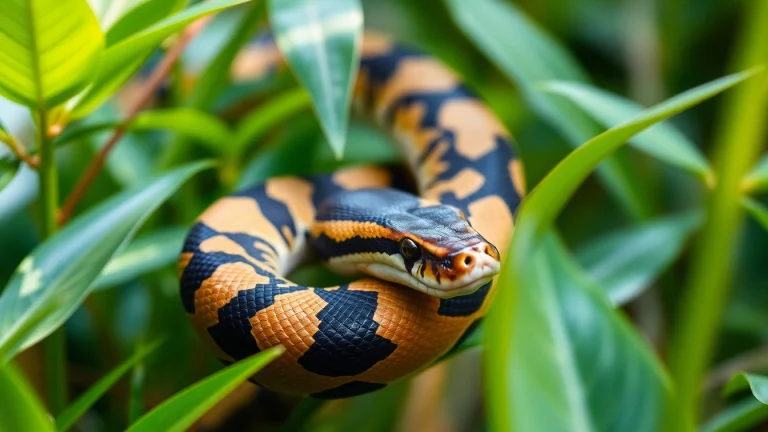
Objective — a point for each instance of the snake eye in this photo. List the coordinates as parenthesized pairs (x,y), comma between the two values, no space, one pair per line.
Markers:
(409,249)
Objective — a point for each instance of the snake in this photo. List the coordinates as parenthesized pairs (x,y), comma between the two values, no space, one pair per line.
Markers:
(428,257)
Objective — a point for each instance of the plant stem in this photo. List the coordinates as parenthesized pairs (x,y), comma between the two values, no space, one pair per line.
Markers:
(55,344)
(736,148)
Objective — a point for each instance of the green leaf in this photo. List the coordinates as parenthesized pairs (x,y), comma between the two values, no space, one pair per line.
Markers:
(49,50)
(757,210)
(256,124)
(627,261)
(9,166)
(742,416)
(663,140)
(19,192)
(22,411)
(757,180)
(123,59)
(146,253)
(184,408)
(321,42)
(537,215)
(73,412)
(53,280)
(577,364)
(201,126)
(141,16)
(758,384)
(528,56)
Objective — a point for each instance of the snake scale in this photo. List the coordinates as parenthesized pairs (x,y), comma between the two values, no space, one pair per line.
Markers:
(355,338)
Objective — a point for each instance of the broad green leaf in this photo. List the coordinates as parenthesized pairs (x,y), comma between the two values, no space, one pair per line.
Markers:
(758,384)
(528,56)
(53,280)
(140,16)
(625,262)
(757,210)
(180,411)
(21,409)
(109,11)
(19,192)
(321,42)
(742,416)
(577,364)
(757,180)
(189,122)
(663,140)
(146,253)
(49,49)
(123,59)
(73,412)
(256,124)
(537,215)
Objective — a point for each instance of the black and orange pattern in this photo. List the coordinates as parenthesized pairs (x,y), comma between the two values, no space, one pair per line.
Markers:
(355,338)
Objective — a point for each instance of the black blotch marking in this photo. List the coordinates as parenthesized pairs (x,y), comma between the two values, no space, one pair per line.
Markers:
(434,270)
(464,305)
(354,388)
(329,248)
(275,211)
(381,67)
(346,343)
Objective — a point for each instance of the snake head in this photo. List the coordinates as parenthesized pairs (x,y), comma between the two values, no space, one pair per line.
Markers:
(395,236)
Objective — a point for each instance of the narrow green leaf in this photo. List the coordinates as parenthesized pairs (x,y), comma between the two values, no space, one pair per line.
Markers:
(21,410)
(757,180)
(73,412)
(742,416)
(625,262)
(146,253)
(537,215)
(758,384)
(54,279)
(662,141)
(123,59)
(19,192)
(256,124)
(49,50)
(577,364)
(141,16)
(198,125)
(9,166)
(321,42)
(184,408)
(528,56)
(757,210)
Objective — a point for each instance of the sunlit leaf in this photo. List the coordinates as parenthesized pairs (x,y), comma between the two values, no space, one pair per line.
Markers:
(54,279)
(49,50)
(758,384)
(123,59)
(21,410)
(184,408)
(140,16)
(321,42)
(663,140)
(625,262)
(529,56)
(189,122)
(146,253)
(70,415)
(537,215)
(577,363)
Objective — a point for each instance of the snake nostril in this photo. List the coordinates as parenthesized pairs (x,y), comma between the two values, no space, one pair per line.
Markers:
(467,261)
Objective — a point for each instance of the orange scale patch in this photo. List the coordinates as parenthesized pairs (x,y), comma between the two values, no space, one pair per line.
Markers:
(474,125)
(362,178)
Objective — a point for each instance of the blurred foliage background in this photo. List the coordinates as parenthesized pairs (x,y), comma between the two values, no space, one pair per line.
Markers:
(627,238)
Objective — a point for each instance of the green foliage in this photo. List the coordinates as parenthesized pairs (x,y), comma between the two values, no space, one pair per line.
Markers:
(569,80)
(321,43)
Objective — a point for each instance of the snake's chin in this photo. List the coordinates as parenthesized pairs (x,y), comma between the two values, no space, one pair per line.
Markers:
(388,273)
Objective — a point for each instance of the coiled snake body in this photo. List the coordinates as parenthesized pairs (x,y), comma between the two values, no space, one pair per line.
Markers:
(351,339)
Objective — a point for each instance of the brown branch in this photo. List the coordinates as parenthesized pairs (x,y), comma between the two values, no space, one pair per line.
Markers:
(143,98)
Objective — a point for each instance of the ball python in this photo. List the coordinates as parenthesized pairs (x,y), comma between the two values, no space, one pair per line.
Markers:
(429,257)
